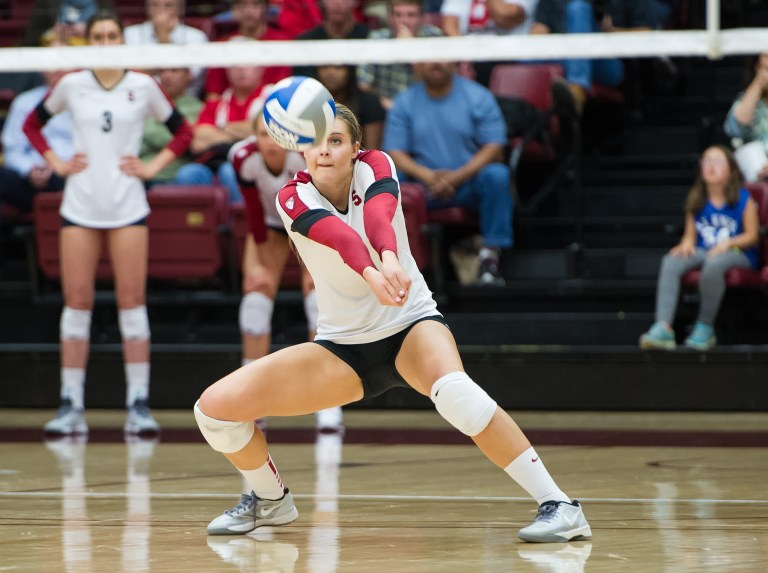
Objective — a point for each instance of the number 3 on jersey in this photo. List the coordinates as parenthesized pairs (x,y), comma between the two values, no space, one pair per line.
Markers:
(106,125)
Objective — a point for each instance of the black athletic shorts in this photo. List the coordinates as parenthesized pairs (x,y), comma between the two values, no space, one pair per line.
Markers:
(67,223)
(374,362)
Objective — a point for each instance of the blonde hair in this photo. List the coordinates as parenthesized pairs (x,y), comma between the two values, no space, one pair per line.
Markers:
(345,114)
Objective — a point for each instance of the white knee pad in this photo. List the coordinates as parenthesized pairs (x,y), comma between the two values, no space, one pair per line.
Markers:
(310,310)
(463,403)
(75,324)
(223,436)
(256,314)
(134,323)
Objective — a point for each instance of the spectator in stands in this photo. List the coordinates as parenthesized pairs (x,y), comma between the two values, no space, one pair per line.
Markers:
(157,136)
(582,16)
(222,123)
(104,198)
(460,162)
(163,26)
(298,16)
(747,119)
(26,172)
(483,17)
(338,24)
(251,18)
(341,82)
(263,167)
(406,20)
(73,15)
(721,233)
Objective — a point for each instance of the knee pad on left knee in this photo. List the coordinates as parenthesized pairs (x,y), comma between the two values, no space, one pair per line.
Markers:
(134,323)
(310,310)
(223,436)
(463,403)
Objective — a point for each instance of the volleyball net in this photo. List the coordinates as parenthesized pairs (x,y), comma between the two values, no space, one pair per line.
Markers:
(710,43)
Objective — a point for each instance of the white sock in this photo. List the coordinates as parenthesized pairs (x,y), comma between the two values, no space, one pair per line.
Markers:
(265,481)
(529,471)
(137,378)
(73,386)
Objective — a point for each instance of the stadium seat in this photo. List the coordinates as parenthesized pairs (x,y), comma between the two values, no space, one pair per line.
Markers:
(543,143)
(746,278)
(186,230)
(416,220)
(291,275)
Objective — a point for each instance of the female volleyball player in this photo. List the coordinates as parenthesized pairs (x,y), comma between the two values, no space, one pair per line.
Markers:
(378,328)
(104,196)
(262,168)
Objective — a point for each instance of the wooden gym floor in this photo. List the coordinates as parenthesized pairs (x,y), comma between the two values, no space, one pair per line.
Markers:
(399,492)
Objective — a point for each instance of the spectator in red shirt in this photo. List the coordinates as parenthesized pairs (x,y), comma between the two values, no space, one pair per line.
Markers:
(223,122)
(251,17)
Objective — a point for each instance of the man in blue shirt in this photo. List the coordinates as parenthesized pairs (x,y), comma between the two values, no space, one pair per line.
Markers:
(447,132)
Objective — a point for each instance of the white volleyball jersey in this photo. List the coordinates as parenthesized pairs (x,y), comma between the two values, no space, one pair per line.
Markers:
(108,124)
(253,171)
(349,312)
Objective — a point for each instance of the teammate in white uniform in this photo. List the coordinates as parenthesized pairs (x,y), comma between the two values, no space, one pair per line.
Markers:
(262,168)
(104,195)
(378,328)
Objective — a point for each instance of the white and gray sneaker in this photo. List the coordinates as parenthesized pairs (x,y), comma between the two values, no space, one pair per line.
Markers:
(557,522)
(68,421)
(252,512)
(140,420)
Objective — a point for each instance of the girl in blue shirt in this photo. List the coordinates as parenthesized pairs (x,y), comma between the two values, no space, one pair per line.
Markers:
(721,233)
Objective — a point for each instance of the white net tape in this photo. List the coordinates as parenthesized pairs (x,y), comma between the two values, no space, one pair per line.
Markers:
(469,48)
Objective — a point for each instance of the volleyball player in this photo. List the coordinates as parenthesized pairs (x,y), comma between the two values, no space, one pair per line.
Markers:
(262,168)
(378,328)
(104,196)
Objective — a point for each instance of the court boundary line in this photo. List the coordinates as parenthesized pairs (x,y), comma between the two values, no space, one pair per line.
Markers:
(374,497)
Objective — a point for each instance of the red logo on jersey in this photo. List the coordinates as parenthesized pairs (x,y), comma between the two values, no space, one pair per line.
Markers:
(131,97)
(356,198)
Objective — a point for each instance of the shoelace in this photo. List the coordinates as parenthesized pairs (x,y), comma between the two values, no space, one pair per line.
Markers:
(242,505)
(547,511)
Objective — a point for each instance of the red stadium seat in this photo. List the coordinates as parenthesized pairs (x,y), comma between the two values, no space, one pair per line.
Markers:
(291,275)
(746,278)
(416,219)
(185,233)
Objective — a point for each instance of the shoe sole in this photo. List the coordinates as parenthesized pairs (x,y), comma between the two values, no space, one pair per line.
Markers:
(583,532)
(650,344)
(131,429)
(284,519)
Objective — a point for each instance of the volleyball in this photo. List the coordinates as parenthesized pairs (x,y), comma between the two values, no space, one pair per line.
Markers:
(298,112)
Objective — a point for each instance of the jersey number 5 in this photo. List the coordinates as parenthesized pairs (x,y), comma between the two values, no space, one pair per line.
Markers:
(106,126)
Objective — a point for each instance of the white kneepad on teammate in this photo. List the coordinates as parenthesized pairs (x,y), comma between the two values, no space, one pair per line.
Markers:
(223,436)
(134,323)
(75,324)
(256,314)
(463,403)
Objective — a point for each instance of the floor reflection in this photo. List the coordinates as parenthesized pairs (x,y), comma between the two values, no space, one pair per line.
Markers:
(557,558)
(324,535)
(77,546)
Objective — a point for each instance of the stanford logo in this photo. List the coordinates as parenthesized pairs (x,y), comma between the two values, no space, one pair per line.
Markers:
(289,203)
(131,97)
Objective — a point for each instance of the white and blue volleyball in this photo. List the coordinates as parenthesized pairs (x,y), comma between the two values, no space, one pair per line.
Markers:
(299,112)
